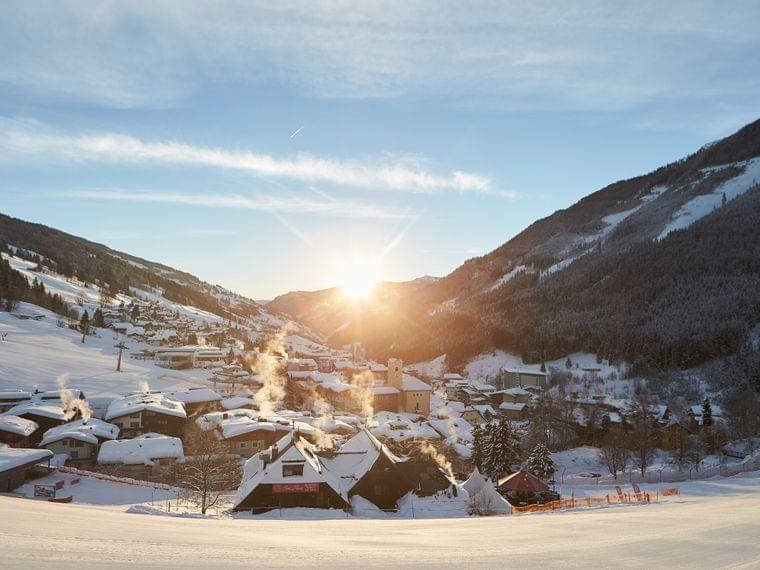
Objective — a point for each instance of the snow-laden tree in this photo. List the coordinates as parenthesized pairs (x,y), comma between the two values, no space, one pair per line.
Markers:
(505,449)
(540,462)
(477,446)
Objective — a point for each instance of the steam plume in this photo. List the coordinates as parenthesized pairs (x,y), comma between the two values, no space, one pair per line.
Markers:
(72,405)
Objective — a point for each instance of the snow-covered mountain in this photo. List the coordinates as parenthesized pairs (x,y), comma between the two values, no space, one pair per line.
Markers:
(661,269)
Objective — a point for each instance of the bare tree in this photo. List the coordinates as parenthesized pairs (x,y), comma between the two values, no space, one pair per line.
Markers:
(614,454)
(209,470)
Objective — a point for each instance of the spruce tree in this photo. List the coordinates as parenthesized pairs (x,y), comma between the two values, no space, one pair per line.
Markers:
(540,462)
(505,451)
(707,418)
(477,447)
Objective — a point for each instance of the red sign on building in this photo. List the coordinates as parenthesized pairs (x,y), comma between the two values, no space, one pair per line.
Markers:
(296,488)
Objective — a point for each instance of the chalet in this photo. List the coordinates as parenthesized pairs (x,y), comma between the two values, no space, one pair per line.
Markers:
(326,364)
(370,470)
(243,432)
(516,395)
(450,377)
(523,488)
(18,465)
(58,395)
(151,455)
(479,414)
(143,413)
(301,364)
(295,473)
(46,414)
(209,357)
(80,440)
(196,400)
(237,403)
(513,378)
(512,411)
(402,428)
(10,398)
(16,431)
(175,358)
(290,474)
(453,387)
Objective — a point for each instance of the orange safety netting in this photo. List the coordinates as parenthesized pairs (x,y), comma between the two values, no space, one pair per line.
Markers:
(574,503)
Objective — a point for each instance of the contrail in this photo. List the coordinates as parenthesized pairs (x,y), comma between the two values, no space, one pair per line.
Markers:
(298,130)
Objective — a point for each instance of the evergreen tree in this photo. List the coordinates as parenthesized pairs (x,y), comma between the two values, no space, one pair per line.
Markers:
(135,314)
(505,450)
(540,462)
(489,436)
(84,324)
(723,200)
(707,418)
(568,363)
(97,318)
(477,447)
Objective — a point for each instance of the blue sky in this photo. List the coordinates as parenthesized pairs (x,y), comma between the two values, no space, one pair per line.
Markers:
(429,132)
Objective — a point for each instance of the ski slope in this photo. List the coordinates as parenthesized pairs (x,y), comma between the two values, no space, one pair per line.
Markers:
(35,354)
(715,526)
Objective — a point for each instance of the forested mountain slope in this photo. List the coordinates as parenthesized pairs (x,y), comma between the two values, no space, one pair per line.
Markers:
(660,270)
(115,271)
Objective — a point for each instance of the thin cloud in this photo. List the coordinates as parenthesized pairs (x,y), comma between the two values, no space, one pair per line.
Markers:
(379,174)
(273,204)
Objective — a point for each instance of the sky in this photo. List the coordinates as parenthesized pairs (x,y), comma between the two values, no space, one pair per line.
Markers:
(274,146)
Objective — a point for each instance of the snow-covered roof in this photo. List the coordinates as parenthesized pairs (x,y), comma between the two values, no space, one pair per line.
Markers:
(453,429)
(484,496)
(384,390)
(512,407)
(452,376)
(19,426)
(56,394)
(291,450)
(402,427)
(12,457)
(91,430)
(193,395)
(237,402)
(141,450)
(42,409)
(516,391)
(14,395)
(414,384)
(158,403)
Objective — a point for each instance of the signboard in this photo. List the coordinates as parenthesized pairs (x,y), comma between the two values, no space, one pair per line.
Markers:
(296,488)
(44,490)
(669,491)
(636,488)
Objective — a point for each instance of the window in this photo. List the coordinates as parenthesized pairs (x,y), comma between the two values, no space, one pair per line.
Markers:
(74,454)
(78,443)
(243,444)
(291,470)
(134,424)
(65,443)
(381,490)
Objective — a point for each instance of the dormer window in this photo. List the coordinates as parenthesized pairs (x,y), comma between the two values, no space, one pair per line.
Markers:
(292,470)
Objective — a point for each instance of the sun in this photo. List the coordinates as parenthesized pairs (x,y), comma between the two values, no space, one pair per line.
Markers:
(357,278)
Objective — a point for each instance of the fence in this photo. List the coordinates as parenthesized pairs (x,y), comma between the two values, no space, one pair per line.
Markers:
(585,502)
(115,479)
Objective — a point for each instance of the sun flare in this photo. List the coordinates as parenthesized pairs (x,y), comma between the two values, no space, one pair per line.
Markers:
(357,278)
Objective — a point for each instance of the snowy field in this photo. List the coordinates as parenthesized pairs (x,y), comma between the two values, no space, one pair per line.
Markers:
(712,524)
(36,353)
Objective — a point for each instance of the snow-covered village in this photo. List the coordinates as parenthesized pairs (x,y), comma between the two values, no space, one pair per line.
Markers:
(330,285)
